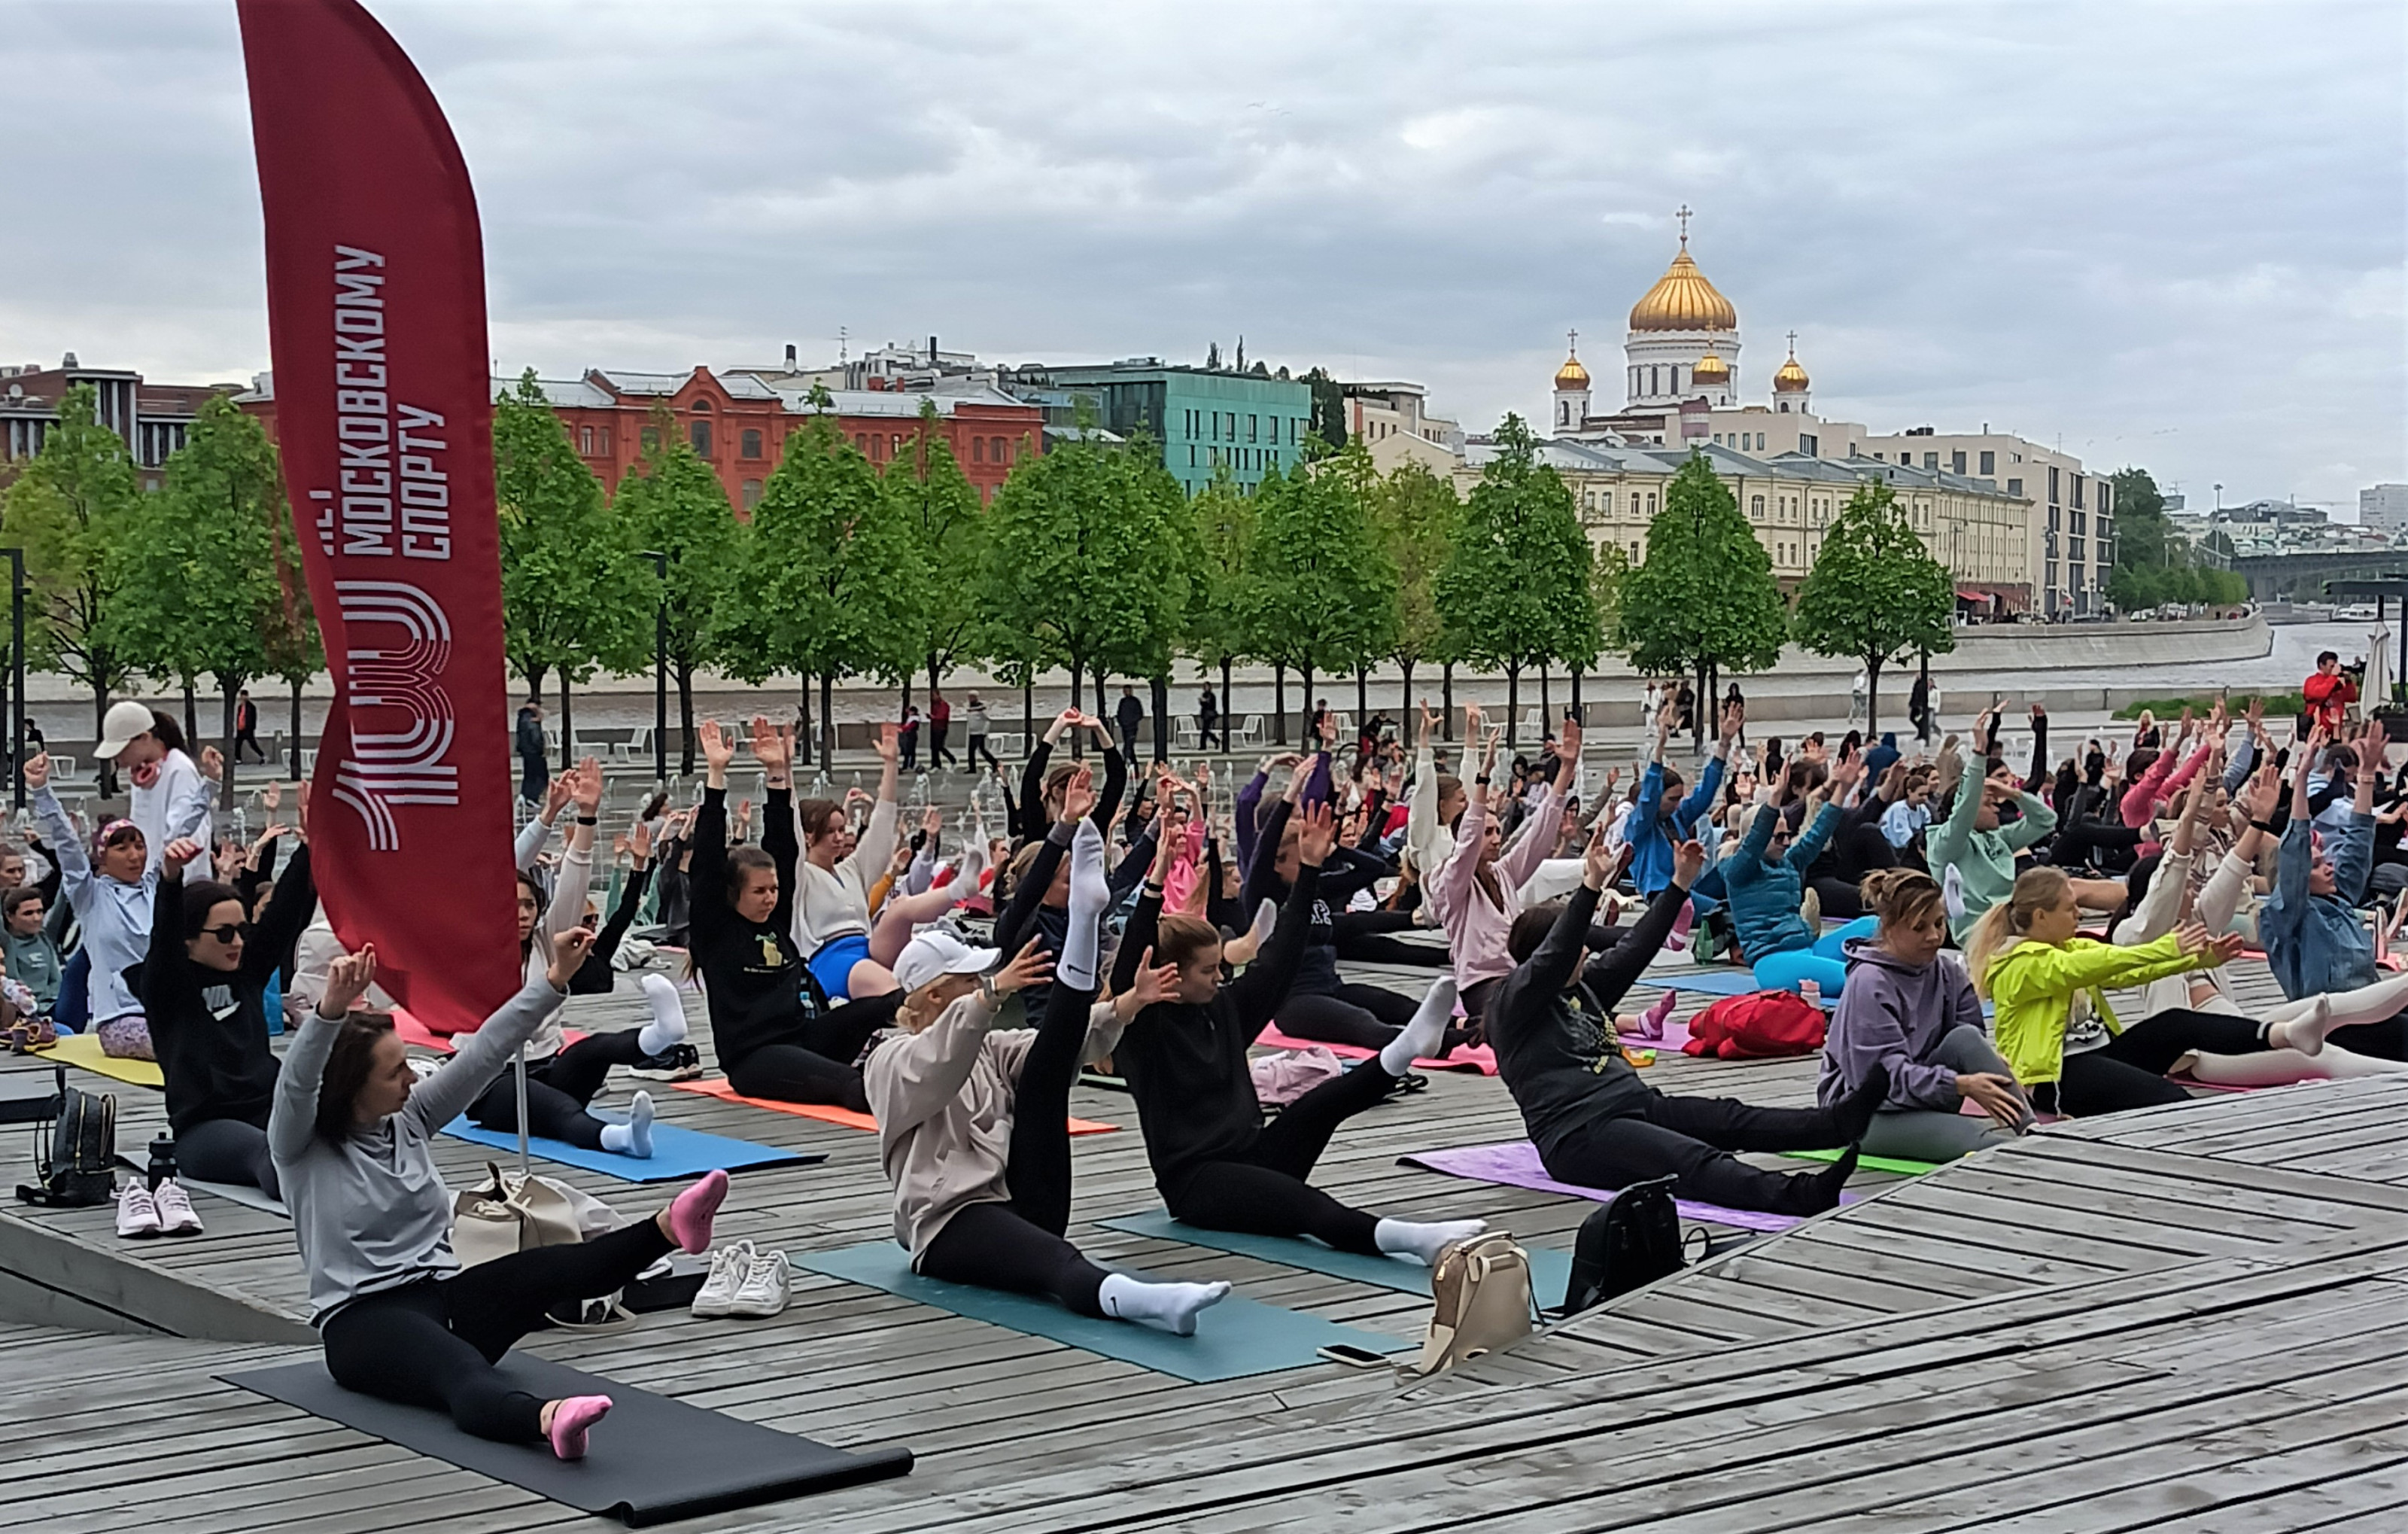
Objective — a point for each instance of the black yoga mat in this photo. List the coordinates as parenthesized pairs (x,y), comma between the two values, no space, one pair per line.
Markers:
(651,1460)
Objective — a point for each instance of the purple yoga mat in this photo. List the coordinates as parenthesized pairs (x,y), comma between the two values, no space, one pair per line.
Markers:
(1515,1164)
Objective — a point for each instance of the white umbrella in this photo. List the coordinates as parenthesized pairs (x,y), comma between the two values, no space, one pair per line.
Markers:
(2377,690)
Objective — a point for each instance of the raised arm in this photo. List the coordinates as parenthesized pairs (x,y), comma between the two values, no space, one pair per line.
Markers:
(167,983)
(568,907)
(2038,822)
(484,1055)
(1619,967)
(280,924)
(1258,993)
(875,847)
(292,1115)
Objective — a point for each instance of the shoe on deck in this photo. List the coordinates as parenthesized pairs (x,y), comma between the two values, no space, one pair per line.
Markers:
(176,1217)
(677,1063)
(729,1266)
(768,1285)
(137,1214)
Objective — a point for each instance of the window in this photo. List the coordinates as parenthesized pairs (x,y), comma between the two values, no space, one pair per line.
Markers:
(1253,428)
(2014,487)
(1989,461)
(1002,453)
(1634,554)
(2054,522)
(895,446)
(650,438)
(1930,461)
(1756,507)
(605,438)
(698,433)
(2052,484)
(585,440)
(752,441)
(1650,503)
(977,450)
(752,493)
(701,407)
(2077,490)
(2074,549)
(1809,445)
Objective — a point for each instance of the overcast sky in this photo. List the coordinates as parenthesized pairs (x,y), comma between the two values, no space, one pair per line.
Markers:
(2164,235)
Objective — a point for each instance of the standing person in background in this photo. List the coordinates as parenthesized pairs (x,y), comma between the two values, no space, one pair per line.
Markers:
(907,738)
(1651,702)
(976,714)
(531,775)
(246,725)
(1128,714)
(1207,718)
(1732,700)
(941,719)
(2329,693)
(170,797)
(1918,708)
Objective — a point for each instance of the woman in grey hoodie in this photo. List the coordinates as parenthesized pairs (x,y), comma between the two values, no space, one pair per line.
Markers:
(1911,1010)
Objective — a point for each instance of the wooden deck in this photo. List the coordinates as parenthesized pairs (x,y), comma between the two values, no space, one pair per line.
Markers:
(2188,1319)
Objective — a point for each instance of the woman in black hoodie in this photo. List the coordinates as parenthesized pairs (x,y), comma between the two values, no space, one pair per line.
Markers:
(202,986)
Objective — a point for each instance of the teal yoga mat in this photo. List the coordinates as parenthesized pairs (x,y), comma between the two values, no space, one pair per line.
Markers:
(677,1154)
(1234,1338)
(1550,1270)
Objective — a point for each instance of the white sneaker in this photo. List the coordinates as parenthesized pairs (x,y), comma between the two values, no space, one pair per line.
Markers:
(138,1216)
(768,1285)
(729,1266)
(176,1217)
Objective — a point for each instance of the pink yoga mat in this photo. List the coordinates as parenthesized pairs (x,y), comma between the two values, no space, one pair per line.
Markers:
(1478,1057)
(411,1031)
(1516,1165)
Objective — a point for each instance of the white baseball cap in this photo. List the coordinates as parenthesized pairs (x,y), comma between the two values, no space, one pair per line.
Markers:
(935,953)
(120,726)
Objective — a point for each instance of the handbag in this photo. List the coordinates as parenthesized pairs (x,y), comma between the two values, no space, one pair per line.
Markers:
(1632,1241)
(1482,1287)
(514,1213)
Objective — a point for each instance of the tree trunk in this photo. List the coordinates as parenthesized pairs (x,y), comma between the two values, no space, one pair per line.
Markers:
(935,678)
(685,722)
(1129,745)
(905,706)
(192,719)
(1405,709)
(1546,703)
(1305,736)
(1512,707)
(1078,680)
(1162,719)
(1446,699)
(803,744)
(225,789)
(568,733)
(1279,705)
(1362,699)
(827,723)
(105,770)
(1229,702)
(293,751)
(1872,698)
(1704,706)
(1028,714)
(535,675)
(1576,697)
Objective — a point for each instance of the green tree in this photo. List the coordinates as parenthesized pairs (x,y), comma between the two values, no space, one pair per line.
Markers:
(947,522)
(828,575)
(197,587)
(69,509)
(1329,418)
(1084,562)
(1515,590)
(1875,595)
(572,596)
(673,504)
(294,649)
(1323,593)
(1221,519)
(2144,539)
(1705,600)
(1415,512)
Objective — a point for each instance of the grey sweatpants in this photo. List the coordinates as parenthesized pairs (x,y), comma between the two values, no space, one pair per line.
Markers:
(1924,1134)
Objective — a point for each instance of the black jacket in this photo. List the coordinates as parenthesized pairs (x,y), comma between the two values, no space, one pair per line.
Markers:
(209,1028)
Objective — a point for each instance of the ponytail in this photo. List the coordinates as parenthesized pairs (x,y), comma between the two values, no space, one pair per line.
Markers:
(2003,924)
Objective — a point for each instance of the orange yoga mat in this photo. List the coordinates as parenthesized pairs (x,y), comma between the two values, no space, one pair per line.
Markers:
(825,1114)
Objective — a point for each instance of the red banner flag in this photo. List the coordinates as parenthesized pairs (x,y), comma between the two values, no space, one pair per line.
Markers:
(376,307)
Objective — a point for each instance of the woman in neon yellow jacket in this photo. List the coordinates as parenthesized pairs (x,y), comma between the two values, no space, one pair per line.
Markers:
(2054,1025)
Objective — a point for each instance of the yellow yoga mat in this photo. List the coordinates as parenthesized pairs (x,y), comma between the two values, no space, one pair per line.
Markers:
(83,1050)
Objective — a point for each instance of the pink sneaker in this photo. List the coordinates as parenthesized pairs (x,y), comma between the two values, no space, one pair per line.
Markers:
(569,1421)
(691,1212)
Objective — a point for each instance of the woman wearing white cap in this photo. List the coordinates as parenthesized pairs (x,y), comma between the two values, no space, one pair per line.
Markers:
(973,1124)
(170,797)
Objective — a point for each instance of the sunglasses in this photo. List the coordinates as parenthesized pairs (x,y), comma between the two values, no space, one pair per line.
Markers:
(230,933)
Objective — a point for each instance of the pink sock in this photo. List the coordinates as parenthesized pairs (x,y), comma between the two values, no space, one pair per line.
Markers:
(1683,920)
(691,1212)
(569,1421)
(1651,1022)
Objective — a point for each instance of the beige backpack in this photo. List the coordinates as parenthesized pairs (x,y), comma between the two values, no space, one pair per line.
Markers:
(1482,1289)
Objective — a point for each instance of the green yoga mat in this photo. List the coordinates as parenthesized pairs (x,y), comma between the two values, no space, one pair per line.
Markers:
(1550,1270)
(1234,1338)
(1870,1163)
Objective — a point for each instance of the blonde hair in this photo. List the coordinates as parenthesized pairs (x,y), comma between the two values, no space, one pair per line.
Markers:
(2004,924)
(1902,897)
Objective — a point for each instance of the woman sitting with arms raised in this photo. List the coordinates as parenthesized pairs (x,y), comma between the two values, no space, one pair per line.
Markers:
(353,1132)
(1914,1013)
(1184,1056)
(973,1123)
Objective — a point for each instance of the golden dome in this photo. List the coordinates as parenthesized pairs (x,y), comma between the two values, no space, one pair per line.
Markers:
(1571,375)
(1710,368)
(1682,299)
(1791,378)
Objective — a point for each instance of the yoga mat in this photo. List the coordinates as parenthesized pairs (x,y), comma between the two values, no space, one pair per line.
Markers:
(82,1050)
(237,1193)
(677,1154)
(1550,1270)
(1516,1165)
(1716,982)
(1871,1163)
(652,1459)
(1234,1338)
(1478,1057)
(409,1030)
(26,1096)
(826,1114)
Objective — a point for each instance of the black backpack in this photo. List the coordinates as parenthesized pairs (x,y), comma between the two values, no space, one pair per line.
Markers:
(76,1166)
(1635,1239)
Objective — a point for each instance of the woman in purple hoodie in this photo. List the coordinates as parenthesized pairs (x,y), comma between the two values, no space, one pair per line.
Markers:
(1910,1010)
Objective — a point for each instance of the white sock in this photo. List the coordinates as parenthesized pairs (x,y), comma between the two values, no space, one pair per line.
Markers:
(667,1025)
(1423,1239)
(1422,1038)
(1091,895)
(1172,1306)
(2304,1034)
(635,1137)
(1265,918)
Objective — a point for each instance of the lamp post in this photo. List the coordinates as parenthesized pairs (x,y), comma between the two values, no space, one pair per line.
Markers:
(660,668)
(17,671)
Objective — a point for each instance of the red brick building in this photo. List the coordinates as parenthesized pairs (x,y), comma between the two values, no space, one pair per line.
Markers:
(739,424)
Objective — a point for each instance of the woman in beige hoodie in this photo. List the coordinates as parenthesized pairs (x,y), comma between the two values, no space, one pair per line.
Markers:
(973,1123)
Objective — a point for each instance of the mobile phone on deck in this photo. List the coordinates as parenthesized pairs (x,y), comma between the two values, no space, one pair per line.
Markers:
(1348,1353)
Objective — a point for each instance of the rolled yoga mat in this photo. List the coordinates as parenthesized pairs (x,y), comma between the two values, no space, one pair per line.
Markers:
(1234,1338)
(677,1154)
(1514,1164)
(651,1460)
(1550,1270)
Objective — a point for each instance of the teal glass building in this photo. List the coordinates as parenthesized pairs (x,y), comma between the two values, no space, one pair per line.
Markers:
(1203,419)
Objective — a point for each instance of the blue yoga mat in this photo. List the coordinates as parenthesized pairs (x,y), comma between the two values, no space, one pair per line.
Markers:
(1550,1270)
(1714,983)
(1234,1338)
(677,1154)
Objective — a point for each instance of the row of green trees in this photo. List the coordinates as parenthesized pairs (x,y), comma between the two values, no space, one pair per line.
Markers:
(200,581)
(2155,565)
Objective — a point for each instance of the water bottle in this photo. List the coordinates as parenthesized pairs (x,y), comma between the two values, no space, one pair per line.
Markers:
(163,1162)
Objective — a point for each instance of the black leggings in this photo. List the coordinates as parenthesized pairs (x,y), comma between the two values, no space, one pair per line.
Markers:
(1265,1194)
(227,1151)
(558,1090)
(1692,1137)
(1366,1016)
(2384,1040)
(1018,1245)
(2130,1072)
(1362,938)
(820,1065)
(435,1342)
(2105,845)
